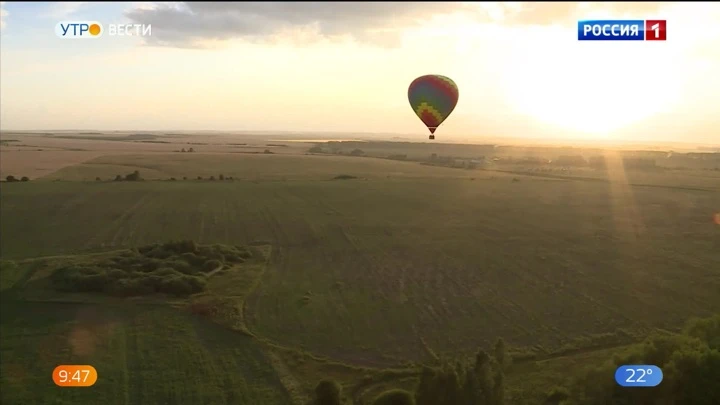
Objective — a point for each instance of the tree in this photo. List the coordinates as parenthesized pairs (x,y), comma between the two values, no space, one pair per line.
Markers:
(484,377)
(199,178)
(395,397)
(500,352)
(267,152)
(357,152)
(98,179)
(315,149)
(10,179)
(184,177)
(25,178)
(221,177)
(212,178)
(182,150)
(557,395)
(134,176)
(118,178)
(328,392)
(191,150)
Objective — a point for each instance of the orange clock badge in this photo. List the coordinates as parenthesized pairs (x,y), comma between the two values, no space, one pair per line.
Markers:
(74,376)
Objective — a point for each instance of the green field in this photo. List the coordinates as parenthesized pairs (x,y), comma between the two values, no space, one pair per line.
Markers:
(250,167)
(403,263)
(142,354)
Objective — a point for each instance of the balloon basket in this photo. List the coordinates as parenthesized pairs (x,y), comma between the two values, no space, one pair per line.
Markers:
(431,137)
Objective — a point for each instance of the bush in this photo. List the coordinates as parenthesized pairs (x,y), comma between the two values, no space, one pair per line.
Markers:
(221,177)
(328,392)
(116,274)
(10,179)
(166,271)
(181,266)
(92,282)
(159,253)
(118,178)
(557,395)
(175,268)
(394,397)
(211,265)
(182,246)
(130,287)
(181,285)
(98,179)
(24,178)
(134,176)
(344,177)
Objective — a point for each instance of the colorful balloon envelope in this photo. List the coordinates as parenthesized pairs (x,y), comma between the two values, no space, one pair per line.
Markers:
(433,98)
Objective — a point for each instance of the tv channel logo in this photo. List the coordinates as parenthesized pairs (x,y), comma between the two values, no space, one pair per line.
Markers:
(622,30)
(93,29)
(78,29)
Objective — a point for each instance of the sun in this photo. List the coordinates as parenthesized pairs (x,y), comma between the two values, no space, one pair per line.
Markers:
(591,88)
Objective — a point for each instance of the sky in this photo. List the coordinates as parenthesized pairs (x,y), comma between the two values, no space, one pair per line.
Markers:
(346,67)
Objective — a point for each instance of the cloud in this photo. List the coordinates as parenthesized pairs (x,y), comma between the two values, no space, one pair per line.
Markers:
(529,13)
(180,23)
(64,9)
(3,15)
(187,24)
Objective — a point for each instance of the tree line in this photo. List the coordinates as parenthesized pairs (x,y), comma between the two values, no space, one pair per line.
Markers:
(479,381)
(690,361)
(135,176)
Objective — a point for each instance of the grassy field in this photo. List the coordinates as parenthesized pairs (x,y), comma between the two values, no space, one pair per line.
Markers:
(252,167)
(142,355)
(452,261)
(403,263)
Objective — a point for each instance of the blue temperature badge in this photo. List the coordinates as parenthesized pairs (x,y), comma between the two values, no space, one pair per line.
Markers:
(638,376)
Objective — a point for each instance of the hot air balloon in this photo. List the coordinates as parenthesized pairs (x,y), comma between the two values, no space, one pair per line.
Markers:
(433,98)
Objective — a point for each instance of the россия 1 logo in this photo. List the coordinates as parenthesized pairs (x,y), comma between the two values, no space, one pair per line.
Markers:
(622,30)
(93,29)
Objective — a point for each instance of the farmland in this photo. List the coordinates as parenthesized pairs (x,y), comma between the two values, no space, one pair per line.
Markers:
(402,262)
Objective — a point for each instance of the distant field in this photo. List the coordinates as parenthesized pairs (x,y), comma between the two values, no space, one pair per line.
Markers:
(254,167)
(37,155)
(367,270)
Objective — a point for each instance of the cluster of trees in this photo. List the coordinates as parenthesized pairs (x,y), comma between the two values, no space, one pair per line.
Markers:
(476,382)
(175,268)
(220,177)
(690,362)
(134,176)
(337,151)
(13,179)
(190,150)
